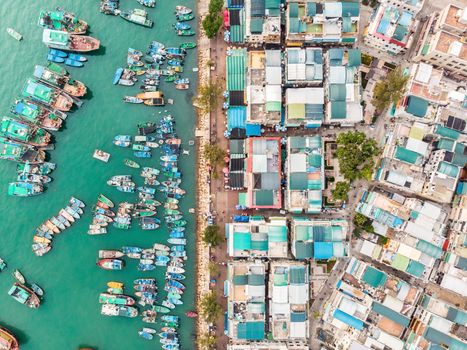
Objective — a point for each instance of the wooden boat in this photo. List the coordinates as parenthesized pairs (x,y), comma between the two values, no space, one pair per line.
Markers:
(132,99)
(69,42)
(131,163)
(150,95)
(110,254)
(19,130)
(191,314)
(182,86)
(37,114)
(63,21)
(112,284)
(137,16)
(8,340)
(188,45)
(19,277)
(180,10)
(101,155)
(159,246)
(14,34)
(116,299)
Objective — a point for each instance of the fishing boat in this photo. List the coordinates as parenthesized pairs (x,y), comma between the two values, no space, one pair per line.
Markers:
(57,76)
(24,189)
(175,269)
(146,267)
(191,314)
(161,309)
(47,95)
(111,264)
(168,304)
(58,53)
(147,3)
(185,32)
(55,59)
(116,299)
(39,169)
(137,16)
(145,335)
(132,99)
(110,254)
(170,347)
(118,310)
(131,163)
(113,284)
(69,42)
(184,17)
(181,10)
(170,318)
(14,34)
(188,45)
(73,63)
(24,295)
(117,76)
(37,114)
(38,290)
(3,265)
(8,340)
(145,281)
(18,130)
(123,144)
(101,155)
(77,203)
(130,249)
(180,241)
(159,246)
(154,102)
(73,212)
(175,276)
(181,26)
(76,57)
(97,230)
(19,277)
(62,21)
(142,154)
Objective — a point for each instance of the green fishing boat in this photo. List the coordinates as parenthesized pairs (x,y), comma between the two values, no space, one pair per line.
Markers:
(137,16)
(188,45)
(183,17)
(17,152)
(116,299)
(131,163)
(63,21)
(105,200)
(37,114)
(14,129)
(161,309)
(171,78)
(186,32)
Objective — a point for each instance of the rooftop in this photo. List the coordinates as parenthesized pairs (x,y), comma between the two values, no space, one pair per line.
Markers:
(451,44)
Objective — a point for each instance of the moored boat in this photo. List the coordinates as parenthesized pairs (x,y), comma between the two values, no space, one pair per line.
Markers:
(131,163)
(63,21)
(137,16)
(111,264)
(110,254)
(188,45)
(132,99)
(8,340)
(47,95)
(38,114)
(14,34)
(24,189)
(69,42)
(147,3)
(24,295)
(116,299)
(118,310)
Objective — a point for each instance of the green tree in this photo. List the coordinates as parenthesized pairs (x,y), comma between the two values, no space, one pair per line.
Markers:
(215,156)
(341,192)
(209,307)
(215,6)
(363,223)
(207,341)
(389,90)
(208,96)
(211,24)
(355,154)
(213,269)
(212,236)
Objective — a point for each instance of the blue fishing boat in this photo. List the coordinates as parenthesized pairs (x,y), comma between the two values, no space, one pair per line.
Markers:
(178,229)
(145,189)
(179,241)
(175,276)
(171,346)
(174,296)
(76,57)
(145,281)
(58,53)
(56,59)
(176,284)
(146,335)
(147,3)
(176,234)
(146,267)
(175,63)
(130,249)
(122,143)
(126,189)
(170,318)
(142,154)
(73,63)
(181,26)
(177,248)
(139,147)
(178,254)
(175,301)
(117,76)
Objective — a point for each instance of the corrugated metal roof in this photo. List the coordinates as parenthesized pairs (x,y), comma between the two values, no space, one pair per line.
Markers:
(417,106)
(391,314)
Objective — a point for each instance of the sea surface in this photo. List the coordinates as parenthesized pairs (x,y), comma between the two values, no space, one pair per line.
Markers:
(69,316)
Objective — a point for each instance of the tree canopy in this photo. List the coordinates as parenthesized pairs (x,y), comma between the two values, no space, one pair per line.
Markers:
(362,222)
(212,236)
(389,90)
(215,156)
(210,309)
(207,341)
(208,96)
(341,192)
(213,20)
(355,154)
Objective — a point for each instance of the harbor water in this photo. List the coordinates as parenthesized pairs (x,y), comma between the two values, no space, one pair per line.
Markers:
(70,314)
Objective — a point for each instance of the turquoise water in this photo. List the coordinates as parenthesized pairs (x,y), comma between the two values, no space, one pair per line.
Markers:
(70,314)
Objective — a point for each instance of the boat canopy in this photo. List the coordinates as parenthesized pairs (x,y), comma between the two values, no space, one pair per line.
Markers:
(55,37)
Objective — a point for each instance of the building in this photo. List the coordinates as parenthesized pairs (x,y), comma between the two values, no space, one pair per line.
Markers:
(263,21)
(263,173)
(236,73)
(343,87)
(264,91)
(322,22)
(304,107)
(304,66)
(289,300)
(258,238)
(246,300)
(268,346)
(412,6)
(390,29)
(437,325)
(234,21)
(442,40)
(319,239)
(237,167)
(305,174)
(416,232)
